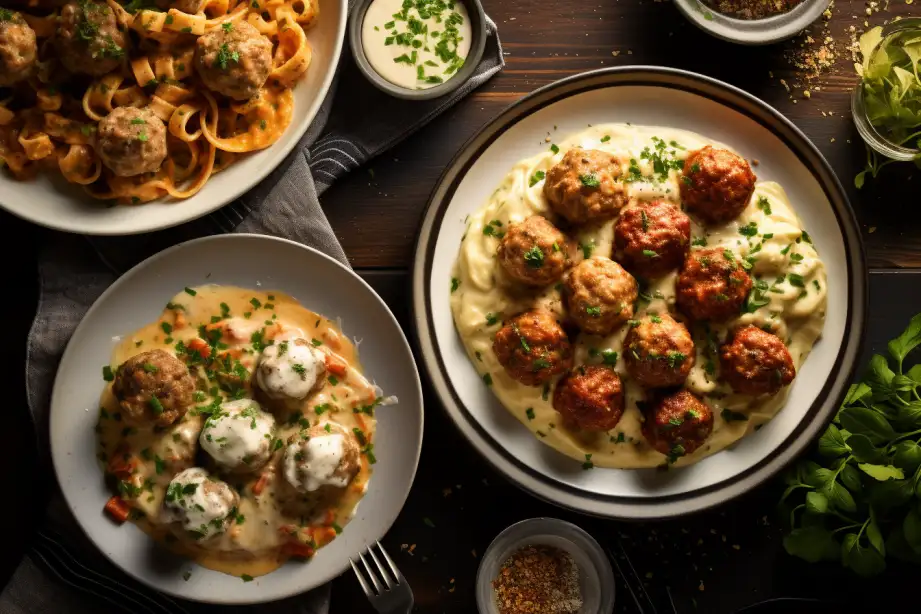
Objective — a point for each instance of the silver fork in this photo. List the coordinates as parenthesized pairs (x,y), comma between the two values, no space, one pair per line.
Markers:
(391,593)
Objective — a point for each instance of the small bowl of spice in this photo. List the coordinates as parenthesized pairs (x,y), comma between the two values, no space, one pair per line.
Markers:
(545,566)
(417,49)
(753,22)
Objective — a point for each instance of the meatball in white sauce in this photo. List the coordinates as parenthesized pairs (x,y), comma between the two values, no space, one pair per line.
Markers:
(200,503)
(239,436)
(325,455)
(290,369)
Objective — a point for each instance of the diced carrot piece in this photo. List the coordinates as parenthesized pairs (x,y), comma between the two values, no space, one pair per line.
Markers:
(330,517)
(325,535)
(297,549)
(232,353)
(336,365)
(362,425)
(273,331)
(260,484)
(179,320)
(118,509)
(122,467)
(199,345)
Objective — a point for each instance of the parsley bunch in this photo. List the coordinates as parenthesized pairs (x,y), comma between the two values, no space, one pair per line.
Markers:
(858,500)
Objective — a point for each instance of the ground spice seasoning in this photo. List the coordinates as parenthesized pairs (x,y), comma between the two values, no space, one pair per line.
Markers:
(752,9)
(538,580)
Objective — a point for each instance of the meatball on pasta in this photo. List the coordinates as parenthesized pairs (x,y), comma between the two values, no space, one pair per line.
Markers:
(678,424)
(238,436)
(153,388)
(600,295)
(200,504)
(584,186)
(323,456)
(590,398)
(131,141)
(89,40)
(712,285)
(290,369)
(533,347)
(717,184)
(235,60)
(756,362)
(534,252)
(652,239)
(658,351)
(18,49)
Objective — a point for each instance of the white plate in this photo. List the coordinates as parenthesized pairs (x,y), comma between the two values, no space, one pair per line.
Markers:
(49,200)
(320,284)
(655,97)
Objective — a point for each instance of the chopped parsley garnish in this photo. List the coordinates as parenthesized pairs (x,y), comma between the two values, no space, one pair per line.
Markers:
(536,178)
(225,55)
(492,319)
(606,138)
(590,180)
(487,379)
(699,241)
(107,373)
(316,342)
(595,312)
(190,292)
(529,412)
(796,280)
(609,357)
(764,204)
(227,26)
(246,578)
(587,248)
(675,358)
(455,284)
(749,230)
(534,258)
(650,254)
(554,148)
(588,464)
(732,416)
(492,229)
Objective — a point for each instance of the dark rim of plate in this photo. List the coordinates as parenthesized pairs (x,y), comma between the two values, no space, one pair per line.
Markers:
(826,402)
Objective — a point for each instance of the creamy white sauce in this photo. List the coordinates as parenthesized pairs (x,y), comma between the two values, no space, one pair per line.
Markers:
(384,29)
(239,435)
(198,509)
(289,370)
(312,464)
(796,311)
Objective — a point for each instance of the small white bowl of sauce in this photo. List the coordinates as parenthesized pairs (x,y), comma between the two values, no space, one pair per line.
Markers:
(417,49)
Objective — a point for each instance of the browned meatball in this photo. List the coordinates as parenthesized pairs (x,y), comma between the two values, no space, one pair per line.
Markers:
(234,61)
(186,6)
(533,347)
(18,49)
(756,362)
(131,141)
(717,184)
(652,238)
(600,295)
(590,398)
(583,187)
(712,285)
(153,387)
(678,424)
(658,351)
(534,252)
(88,39)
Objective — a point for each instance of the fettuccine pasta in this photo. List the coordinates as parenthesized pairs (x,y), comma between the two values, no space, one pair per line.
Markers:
(137,101)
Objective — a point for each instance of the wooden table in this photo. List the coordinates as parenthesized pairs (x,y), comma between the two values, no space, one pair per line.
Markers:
(714,562)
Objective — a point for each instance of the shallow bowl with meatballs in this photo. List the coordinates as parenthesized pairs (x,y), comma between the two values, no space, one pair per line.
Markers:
(102,100)
(236,426)
(636,297)
(649,309)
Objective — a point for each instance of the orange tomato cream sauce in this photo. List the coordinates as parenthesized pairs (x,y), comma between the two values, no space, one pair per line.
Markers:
(237,429)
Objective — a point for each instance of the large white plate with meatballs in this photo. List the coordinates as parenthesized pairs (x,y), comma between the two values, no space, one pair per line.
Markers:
(639,292)
(253,77)
(234,418)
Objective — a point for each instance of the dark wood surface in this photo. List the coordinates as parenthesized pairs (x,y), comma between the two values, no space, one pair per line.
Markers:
(459,503)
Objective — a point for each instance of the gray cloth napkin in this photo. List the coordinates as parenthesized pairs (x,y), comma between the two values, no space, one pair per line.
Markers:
(64,572)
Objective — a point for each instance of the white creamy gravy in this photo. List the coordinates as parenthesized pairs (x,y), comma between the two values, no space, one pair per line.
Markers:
(416,51)
(786,267)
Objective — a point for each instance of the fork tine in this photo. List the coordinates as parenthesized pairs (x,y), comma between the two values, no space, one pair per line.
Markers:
(393,567)
(370,572)
(384,574)
(361,580)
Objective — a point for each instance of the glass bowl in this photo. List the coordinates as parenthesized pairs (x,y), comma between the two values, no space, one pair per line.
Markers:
(596,577)
(867,130)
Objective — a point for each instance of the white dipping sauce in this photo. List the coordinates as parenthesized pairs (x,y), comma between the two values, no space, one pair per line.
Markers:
(199,509)
(239,435)
(416,49)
